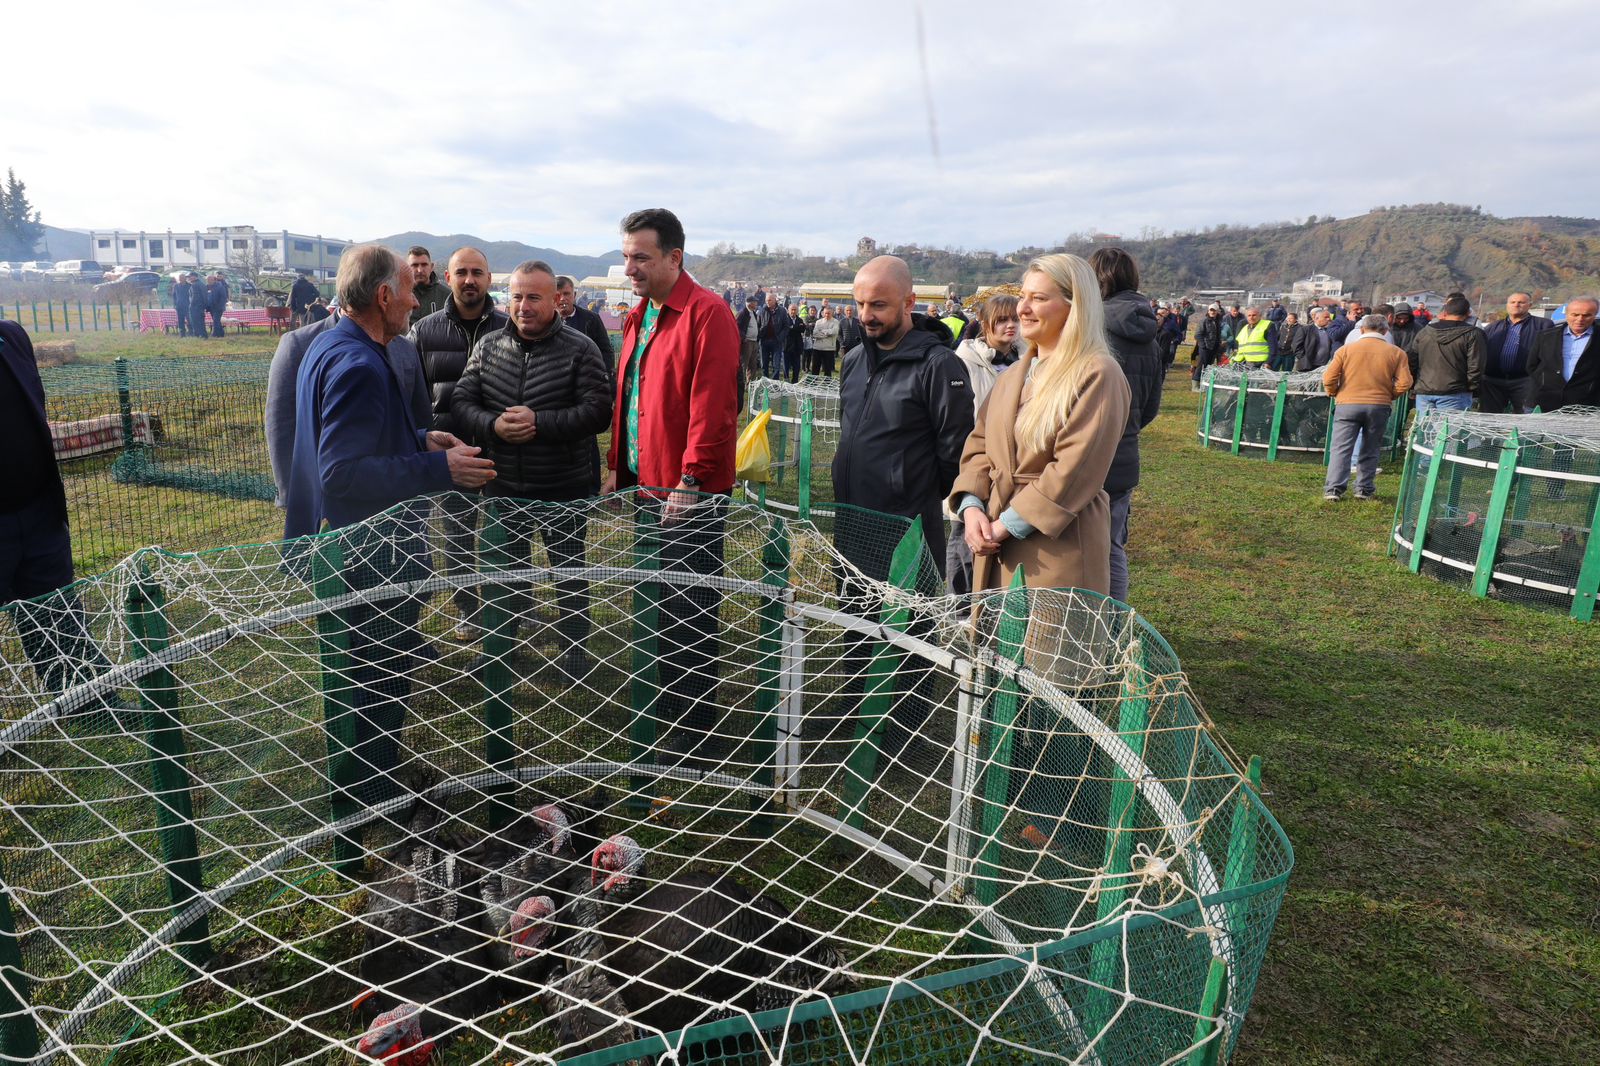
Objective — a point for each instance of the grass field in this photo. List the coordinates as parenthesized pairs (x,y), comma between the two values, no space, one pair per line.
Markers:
(1434,758)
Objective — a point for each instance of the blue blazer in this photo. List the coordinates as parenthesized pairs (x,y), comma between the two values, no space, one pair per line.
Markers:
(16,352)
(358,448)
(285,370)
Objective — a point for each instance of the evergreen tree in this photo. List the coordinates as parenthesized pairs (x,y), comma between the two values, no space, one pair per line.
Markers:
(20,229)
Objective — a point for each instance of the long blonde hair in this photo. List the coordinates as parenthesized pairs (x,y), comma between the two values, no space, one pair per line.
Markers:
(1058,380)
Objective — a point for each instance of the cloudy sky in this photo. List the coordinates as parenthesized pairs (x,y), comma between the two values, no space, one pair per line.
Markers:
(807,125)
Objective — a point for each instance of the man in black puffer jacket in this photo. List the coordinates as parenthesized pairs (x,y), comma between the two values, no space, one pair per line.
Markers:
(1131,332)
(534,395)
(444,339)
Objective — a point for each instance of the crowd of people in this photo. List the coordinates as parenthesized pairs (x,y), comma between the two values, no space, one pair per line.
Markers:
(194,300)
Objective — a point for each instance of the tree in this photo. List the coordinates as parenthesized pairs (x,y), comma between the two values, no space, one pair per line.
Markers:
(20,229)
(252,262)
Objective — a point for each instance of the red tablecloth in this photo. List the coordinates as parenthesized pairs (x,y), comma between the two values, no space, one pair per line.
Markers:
(154,318)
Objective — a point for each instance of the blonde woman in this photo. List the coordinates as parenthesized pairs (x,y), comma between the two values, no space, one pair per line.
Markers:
(1031,488)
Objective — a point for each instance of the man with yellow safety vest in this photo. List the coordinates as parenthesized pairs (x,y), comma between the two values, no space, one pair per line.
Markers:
(1256,340)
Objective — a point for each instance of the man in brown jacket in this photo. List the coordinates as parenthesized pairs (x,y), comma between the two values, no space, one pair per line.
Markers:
(1364,378)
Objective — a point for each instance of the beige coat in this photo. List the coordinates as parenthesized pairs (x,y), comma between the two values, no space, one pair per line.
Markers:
(1059,491)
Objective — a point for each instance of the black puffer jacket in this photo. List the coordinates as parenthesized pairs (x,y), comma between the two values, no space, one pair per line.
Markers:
(562,376)
(904,417)
(444,340)
(1131,330)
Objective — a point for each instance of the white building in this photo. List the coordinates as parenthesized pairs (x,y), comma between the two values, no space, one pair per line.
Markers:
(165,250)
(1317,286)
(1426,297)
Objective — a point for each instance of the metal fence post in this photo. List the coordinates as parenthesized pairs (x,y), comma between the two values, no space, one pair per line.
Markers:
(803,459)
(1505,477)
(775,561)
(1277,418)
(171,785)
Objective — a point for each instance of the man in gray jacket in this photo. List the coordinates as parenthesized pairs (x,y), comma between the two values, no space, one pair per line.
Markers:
(534,395)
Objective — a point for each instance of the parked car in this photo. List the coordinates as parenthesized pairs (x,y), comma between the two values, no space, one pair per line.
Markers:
(143,280)
(82,270)
(11,271)
(36,270)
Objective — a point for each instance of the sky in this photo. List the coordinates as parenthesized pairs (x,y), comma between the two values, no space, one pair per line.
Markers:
(806,125)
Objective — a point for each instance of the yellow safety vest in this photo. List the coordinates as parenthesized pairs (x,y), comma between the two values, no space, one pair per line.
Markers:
(1253,342)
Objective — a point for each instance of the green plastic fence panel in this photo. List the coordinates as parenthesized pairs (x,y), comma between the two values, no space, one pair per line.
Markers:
(1408,474)
(171,785)
(861,769)
(1505,478)
(499,624)
(775,558)
(1588,586)
(1240,404)
(19,1036)
(1205,407)
(803,458)
(643,687)
(1278,403)
(1213,999)
(1010,638)
(327,581)
(766,405)
(1133,719)
(1430,484)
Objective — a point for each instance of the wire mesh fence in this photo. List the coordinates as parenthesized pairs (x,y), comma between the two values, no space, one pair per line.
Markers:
(271,811)
(161,451)
(1505,506)
(803,435)
(1281,416)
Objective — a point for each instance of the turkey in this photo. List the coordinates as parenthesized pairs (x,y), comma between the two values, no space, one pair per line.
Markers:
(682,948)
(423,943)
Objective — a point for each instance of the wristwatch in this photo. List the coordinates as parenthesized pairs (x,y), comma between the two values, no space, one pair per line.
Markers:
(691,481)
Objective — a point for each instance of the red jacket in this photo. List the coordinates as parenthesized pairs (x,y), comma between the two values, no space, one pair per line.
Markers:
(689,395)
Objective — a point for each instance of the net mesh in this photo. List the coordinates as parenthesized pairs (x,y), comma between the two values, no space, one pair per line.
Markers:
(874,824)
(1299,432)
(1527,486)
(166,451)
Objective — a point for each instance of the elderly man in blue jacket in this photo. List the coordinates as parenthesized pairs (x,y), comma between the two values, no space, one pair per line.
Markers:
(359,449)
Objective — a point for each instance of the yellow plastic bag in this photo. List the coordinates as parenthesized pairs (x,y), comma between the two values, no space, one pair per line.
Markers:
(753,455)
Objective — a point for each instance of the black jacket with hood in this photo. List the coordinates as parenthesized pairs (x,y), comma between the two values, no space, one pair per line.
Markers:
(904,418)
(1447,358)
(1131,331)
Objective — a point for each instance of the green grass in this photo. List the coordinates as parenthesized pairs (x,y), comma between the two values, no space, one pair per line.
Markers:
(1434,758)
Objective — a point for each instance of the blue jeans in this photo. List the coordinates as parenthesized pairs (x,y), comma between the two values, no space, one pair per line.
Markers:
(1450,401)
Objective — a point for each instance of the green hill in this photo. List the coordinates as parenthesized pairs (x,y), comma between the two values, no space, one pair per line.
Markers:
(1426,246)
(503,255)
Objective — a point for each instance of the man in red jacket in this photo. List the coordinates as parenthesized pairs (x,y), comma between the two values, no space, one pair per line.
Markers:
(673,433)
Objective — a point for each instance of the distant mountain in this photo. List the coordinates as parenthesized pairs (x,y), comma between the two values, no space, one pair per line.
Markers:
(503,255)
(61,243)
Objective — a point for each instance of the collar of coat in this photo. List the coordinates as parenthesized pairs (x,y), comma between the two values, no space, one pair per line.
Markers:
(555,329)
(677,299)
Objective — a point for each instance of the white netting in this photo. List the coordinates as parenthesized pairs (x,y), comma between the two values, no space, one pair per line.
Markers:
(1572,428)
(787,400)
(875,824)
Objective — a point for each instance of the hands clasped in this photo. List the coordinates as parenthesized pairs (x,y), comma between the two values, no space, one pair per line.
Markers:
(515,425)
(983,536)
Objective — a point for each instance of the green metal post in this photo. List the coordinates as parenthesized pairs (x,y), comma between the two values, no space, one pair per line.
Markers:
(775,559)
(1277,418)
(766,405)
(1588,584)
(1407,478)
(643,686)
(782,450)
(1133,721)
(1505,477)
(338,718)
(1212,1000)
(49,314)
(94,315)
(1205,412)
(803,458)
(499,637)
(122,317)
(19,1036)
(1242,836)
(1430,484)
(171,786)
(80,313)
(1011,636)
(1238,409)
(861,769)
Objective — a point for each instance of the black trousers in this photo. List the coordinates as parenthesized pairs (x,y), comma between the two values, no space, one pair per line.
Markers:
(216,322)
(1506,395)
(565,534)
(197,320)
(183,320)
(689,628)
(36,559)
